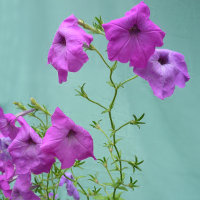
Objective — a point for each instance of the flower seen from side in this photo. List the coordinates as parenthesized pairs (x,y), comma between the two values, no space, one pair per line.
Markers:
(66,53)
(165,70)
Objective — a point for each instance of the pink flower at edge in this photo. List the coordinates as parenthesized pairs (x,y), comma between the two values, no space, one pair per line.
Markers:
(4,186)
(22,188)
(25,151)
(66,140)
(165,70)
(7,124)
(133,37)
(66,53)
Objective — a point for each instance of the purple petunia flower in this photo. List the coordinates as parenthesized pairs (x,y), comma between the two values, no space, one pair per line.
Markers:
(71,189)
(51,195)
(25,151)
(164,70)
(66,140)
(7,124)
(133,37)
(22,189)
(66,53)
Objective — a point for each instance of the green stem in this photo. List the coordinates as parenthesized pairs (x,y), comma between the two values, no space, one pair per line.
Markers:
(128,80)
(93,48)
(114,193)
(122,126)
(105,135)
(112,123)
(47,189)
(109,174)
(96,103)
(88,27)
(33,115)
(85,193)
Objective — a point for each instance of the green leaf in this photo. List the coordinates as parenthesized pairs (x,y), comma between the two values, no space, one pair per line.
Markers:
(110,83)
(109,184)
(105,111)
(122,188)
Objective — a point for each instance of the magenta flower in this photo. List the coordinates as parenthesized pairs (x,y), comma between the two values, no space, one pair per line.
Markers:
(7,124)
(133,37)
(71,189)
(22,189)
(66,140)
(45,163)
(164,70)
(4,186)
(25,151)
(66,53)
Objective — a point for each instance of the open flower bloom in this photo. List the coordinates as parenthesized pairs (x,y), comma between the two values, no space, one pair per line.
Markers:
(71,189)
(164,70)
(25,150)
(66,140)
(22,188)
(66,53)
(7,124)
(133,37)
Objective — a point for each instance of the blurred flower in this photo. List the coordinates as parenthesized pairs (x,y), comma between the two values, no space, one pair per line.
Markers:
(133,37)
(66,140)
(4,143)
(164,70)
(66,53)
(71,189)
(51,195)
(22,189)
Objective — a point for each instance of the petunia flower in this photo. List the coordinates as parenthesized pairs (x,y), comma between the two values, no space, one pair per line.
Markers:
(66,53)
(71,189)
(25,151)
(7,124)
(45,163)
(133,37)
(22,189)
(165,70)
(66,140)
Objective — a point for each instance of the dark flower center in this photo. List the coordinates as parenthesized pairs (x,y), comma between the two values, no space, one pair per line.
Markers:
(61,40)
(163,59)
(71,134)
(134,30)
(30,141)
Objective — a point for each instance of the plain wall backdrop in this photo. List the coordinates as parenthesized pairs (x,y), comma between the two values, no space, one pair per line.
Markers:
(169,143)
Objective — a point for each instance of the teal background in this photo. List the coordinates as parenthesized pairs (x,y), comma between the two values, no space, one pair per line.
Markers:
(169,142)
